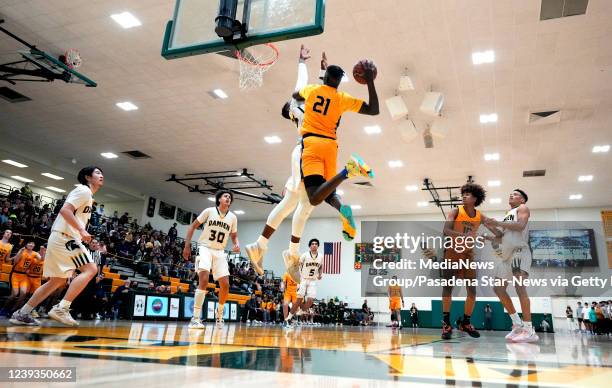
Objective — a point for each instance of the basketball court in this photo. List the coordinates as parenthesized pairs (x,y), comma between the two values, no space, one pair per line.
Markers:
(175,100)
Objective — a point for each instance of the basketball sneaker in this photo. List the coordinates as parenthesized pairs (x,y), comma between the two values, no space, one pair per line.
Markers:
(357,167)
(62,315)
(516,330)
(256,254)
(447,331)
(34,314)
(196,324)
(468,328)
(18,318)
(348,222)
(219,322)
(292,264)
(528,334)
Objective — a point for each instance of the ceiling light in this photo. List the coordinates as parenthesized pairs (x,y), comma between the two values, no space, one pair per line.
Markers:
(14,163)
(372,129)
(272,139)
(423,204)
(112,196)
(239,212)
(494,183)
(494,156)
(601,148)
(126,105)
(355,207)
(211,199)
(395,163)
(52,176)
(126,20)
(488,118)
(109,155)
(412,188)
(22,179)
(495,200)
(340,192)
(575,196)
(220,94)
(480,57)
(585,178)
(56,189)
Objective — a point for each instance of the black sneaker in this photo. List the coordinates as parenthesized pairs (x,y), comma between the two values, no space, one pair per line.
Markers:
(469,328)
(447,331)
(23,319)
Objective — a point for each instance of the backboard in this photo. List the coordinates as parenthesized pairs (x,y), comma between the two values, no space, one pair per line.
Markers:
(48,63)
(192,29)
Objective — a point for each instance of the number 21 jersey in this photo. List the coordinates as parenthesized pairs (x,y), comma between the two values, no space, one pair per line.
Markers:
(217,228)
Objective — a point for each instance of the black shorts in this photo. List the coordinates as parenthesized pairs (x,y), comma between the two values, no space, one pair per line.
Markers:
(580,319)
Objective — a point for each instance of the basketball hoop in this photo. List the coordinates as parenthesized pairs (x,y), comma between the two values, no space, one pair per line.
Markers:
(254,62)
(72,58)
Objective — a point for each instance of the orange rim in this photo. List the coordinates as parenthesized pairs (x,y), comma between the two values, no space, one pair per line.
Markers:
(270,62)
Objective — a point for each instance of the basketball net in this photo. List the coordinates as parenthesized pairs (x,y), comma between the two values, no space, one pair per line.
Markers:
(254,62)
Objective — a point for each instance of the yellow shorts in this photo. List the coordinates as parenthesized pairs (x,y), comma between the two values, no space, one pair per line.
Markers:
(290,297)
(395,304)
(35,283)
(319,157)
(19,280)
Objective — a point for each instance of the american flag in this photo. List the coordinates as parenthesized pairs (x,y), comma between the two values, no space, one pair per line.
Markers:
(331,258)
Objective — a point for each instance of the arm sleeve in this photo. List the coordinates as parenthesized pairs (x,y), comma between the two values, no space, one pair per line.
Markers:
(350,103)
(302,79)
(203,216)
(78,197)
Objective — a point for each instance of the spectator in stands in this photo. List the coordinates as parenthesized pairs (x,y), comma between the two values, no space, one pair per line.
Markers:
(120,299)
(100,210)
(42,228)
(26,191)
(4,215)
(125,219)
(172,232)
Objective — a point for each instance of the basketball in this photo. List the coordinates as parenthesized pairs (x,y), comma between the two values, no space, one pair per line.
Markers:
(358,71)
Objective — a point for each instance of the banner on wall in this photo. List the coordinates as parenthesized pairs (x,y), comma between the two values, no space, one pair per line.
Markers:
(139,305)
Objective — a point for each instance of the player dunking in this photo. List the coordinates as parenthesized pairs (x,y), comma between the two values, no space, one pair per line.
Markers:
(323,108)
(66,251)
(220,224)
(310,271)
(462,222)
(516,262)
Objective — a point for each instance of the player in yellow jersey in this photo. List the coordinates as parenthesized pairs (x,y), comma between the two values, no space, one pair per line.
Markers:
(290,293)
(396,302)
(20,284)
(462,222)
(323,108)
(36,270)
(5,246)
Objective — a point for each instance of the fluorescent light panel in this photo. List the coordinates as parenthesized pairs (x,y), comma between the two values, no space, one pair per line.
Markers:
(493,156)
(220,94)
(272,139)
(22,179)
(239,211)
(52,176)
(412,188)
(488,118)
(126,105)
(585,178)
(56,189)
(480,57)
(601,148)
(395,163)
(423,204)
(494,183)
(575,196)
(355,207)
(14,163)
(495,200)
(126,20)
(109,155)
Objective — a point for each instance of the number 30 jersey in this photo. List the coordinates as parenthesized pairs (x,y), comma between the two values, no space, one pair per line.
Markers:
(217,228)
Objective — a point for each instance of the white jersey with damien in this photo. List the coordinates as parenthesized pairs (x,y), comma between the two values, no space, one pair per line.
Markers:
(310,266)
(513,239)
(217,228)
(82,199)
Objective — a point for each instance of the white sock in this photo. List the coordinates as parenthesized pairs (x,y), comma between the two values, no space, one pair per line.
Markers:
(294,249)
(220,311)
(516,320)
(26,309)
(527,325)
(262,242)
(197,303)
(64,304)
(289,316)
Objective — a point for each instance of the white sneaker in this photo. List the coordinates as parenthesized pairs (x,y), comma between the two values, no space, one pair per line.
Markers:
(516,330)
(292,263)
(196,324)
(526,335)
(62,316)
(219,323)
(256,254)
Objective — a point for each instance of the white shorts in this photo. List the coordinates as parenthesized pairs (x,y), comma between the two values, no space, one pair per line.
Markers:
(520,260)
(213,261)
(307,289)
(64,254)
(295,180)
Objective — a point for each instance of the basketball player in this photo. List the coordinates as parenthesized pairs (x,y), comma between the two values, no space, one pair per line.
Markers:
(396,302)
(290,293)
(19,277)
(462,222)
(323,108)
(66,251)
(35,274)
(310,271)
(5,246)
(515,262)
(219,224)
